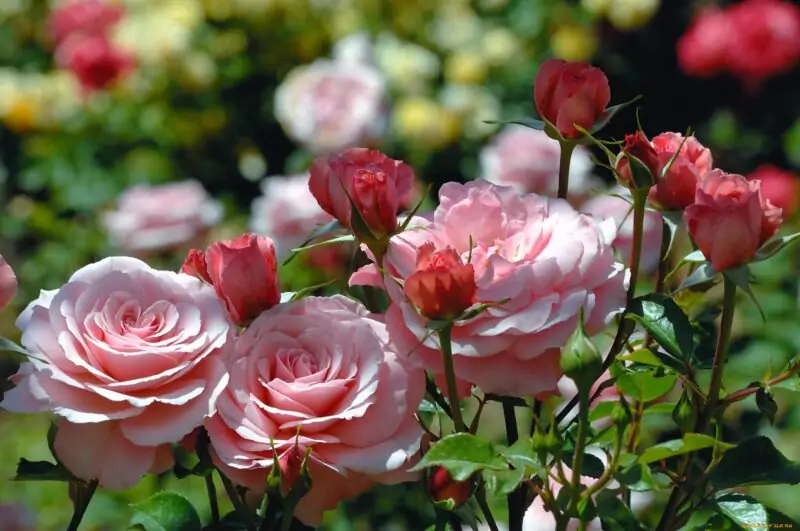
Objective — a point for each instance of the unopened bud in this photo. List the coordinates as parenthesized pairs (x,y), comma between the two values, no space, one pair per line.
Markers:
(638,167)
(442,487)
(684,413)
(580,359)
(291,465)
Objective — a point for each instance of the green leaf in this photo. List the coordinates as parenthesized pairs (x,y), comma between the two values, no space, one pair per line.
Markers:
(504,482)
(592,465)
(665,321)
(305,292)
(521,455)
(6,345)
(702,275)
(527,121)
(672,220)
(644,386)
(755,461)
(166,511)
(689,443)
(638,477)
(42,471)
(750,513)
(766,404)
(344,238)
(741,277)
(610,113)
(462,454)
(645,356)
(601,411)
(773,246)
(316,233)
(615,515)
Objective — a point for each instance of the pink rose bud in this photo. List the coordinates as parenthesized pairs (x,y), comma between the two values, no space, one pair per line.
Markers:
(730,219)
(443,286)
(646,167)
(442,487)
(567,94)
(780,186)
(365,179)
(8,283)
(243,272)
(94,60)
(677,189)
(702,50)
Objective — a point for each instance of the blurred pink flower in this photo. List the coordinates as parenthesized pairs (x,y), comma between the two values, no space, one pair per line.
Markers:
(331,105)
(89,17)
(8,283)
(621,211)
(702,49)
(538,255)
(781,187)
(157,217)
(528,160)
(16,517)
(131,359)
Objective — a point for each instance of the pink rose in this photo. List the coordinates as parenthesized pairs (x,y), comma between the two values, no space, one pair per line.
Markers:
(243,272)
(765,38)
(157,217)
(89,17)
(95,61)
(366,180)
(528,160)
(322,368)
(702,49)
(621,212)
(539,255)
(329,106)
(130,357)
(8,283)
(676,190)
(780,186)
(730,219)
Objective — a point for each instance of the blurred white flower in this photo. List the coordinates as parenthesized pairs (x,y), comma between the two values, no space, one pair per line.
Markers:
(156,217)
(354,49)
(158,31)
(286,212)
(500,46)
(408,66)
(474,105)
(455,27)
(528,160)
(328,106)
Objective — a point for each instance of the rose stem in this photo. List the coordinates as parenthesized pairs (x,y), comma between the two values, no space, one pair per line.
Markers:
(563,168)
(450,374)
(516,499)
(83,496)
(213,502)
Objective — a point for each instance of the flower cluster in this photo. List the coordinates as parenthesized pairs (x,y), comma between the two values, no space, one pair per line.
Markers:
(752,39)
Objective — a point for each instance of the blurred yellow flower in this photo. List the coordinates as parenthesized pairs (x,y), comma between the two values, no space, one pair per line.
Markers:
(629,15)
(21,114)
(455,27)
(465,68)
(159,32)
(574,43)
(500,46)
(597,8)
(474,105)
(408,66)
(198,71)
(424,122)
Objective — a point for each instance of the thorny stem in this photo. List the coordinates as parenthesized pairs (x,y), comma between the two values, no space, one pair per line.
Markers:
(82,496)
(567,148)
(639,204)
(720,354)
(450,375)
(516,499)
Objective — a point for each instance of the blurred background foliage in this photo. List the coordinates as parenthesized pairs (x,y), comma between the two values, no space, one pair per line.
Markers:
(200,104)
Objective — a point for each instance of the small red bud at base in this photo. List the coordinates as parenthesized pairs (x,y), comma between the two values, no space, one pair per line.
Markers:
(442,487)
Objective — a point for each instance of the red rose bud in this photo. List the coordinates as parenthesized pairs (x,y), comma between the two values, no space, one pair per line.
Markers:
(780,187)
(442,487)
(567,94)
(442,286)
(730,219)
(243,272)
(195,265)
(638,166)
(676,189)
(366,180)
